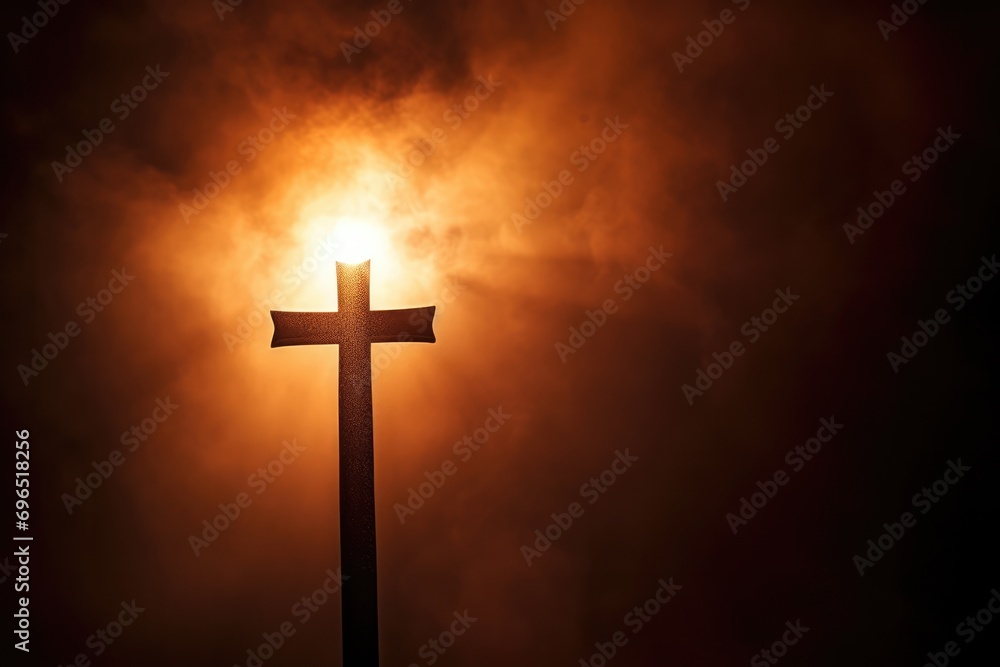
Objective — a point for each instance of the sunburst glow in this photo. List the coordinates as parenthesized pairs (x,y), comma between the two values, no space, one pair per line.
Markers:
(354,240)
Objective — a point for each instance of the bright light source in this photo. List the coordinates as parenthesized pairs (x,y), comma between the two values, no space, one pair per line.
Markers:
(354,240)
(324,238)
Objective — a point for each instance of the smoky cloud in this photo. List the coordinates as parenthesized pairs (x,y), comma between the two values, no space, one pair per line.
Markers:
(479,137)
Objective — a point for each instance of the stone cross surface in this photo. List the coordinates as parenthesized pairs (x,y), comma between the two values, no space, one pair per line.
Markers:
(354,327)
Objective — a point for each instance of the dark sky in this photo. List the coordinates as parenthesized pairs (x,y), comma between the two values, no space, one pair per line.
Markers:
(650,248)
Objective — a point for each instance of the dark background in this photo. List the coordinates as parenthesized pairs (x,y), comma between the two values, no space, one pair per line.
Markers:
(666,516)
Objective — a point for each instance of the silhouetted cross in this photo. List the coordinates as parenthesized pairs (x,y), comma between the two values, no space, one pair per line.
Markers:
(354,327)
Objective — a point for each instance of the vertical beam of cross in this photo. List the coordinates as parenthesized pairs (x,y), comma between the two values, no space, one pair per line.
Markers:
(354,327)
(357,470)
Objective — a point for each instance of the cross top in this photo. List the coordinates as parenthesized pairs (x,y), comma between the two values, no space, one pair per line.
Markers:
(354,320)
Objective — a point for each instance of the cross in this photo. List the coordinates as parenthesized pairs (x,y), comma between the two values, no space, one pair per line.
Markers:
(354,327)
